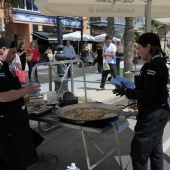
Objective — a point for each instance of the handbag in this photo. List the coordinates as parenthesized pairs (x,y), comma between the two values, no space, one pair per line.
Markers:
(21,75)
(50,56)
(29,57)
(105,65)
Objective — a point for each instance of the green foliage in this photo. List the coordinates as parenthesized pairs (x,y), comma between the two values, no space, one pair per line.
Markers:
(15,2)
(156,26)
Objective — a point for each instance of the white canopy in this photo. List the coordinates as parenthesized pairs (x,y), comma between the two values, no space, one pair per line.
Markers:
(102,38)
(76,36)
(163,20)
(108,8)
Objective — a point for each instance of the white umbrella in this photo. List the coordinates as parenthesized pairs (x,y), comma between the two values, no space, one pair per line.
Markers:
(102,38)
(107,8)
(76,36)
(96,8)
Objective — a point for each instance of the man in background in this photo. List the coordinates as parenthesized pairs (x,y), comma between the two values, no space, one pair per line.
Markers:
(166,50)
(70,54)
(109,54)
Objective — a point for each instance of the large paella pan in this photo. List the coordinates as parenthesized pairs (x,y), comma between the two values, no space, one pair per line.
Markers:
(86,113)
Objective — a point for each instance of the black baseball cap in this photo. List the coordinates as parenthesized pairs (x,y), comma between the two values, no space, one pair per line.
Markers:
(149,38)
(7,42)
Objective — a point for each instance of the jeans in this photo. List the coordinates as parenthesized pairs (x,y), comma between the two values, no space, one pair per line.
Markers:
(69,70)
(30,66)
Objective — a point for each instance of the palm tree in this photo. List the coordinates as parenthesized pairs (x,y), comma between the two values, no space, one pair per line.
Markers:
(156,26)
(129,41)
(8,21)
(110,26)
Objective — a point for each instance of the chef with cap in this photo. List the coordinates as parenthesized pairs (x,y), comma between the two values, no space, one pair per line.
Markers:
(17,141)
(153,110)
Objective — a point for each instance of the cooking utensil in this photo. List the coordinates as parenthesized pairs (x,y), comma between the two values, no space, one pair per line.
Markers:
(68,99)
(34,111)
(67,110)
(68,96)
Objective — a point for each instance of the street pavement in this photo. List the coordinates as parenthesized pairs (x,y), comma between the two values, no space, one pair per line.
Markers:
(63,145)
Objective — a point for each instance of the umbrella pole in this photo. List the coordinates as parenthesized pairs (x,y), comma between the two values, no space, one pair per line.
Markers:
(81,43)
(78,48)
(148,15)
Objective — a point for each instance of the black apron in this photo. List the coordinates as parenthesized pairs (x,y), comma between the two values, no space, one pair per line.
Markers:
(17,121)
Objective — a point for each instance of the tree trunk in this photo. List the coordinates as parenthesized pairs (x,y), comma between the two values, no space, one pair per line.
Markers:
(8,21)
(110,26)
(128,47)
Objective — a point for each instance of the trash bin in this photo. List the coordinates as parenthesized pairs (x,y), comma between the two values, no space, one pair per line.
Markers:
(120,65)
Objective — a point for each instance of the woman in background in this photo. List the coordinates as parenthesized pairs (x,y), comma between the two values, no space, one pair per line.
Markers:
(98,57)
(22,55)
(135,58)
(35,58)
(16,63)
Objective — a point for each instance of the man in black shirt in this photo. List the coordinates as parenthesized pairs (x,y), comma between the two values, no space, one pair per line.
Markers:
(17,141)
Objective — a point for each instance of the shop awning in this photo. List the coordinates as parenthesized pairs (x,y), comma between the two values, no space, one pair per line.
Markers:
(46,36)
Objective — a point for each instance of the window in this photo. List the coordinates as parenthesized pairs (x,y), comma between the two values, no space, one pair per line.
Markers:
(22,5)
(27,5)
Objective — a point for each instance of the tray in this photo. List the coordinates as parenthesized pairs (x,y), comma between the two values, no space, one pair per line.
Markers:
(34,111)
(52,103)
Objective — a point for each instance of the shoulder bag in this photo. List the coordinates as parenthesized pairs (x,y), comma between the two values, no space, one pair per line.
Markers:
(29,57)
(21,75)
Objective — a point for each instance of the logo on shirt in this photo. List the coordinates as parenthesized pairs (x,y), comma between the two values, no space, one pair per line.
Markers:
(151,72)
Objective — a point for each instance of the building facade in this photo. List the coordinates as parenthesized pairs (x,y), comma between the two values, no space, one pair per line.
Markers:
(99,25)
(30,24)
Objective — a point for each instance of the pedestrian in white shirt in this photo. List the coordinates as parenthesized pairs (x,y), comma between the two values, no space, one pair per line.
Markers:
(109,54)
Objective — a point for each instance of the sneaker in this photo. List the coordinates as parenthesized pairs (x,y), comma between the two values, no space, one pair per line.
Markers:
(30,81)
(99,89)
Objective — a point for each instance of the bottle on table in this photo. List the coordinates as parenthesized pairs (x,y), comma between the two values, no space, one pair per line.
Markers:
(72,167)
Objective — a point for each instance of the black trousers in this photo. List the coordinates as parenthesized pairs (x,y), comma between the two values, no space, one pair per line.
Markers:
(23,64)
(30,67)
(112,71)
(8,156)
(147,142)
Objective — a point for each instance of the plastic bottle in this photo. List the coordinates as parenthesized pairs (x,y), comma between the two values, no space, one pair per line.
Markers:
(35,94)
(72,167)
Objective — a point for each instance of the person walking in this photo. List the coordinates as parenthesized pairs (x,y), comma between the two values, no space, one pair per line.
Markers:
(98,57)
(16,63)
(22,54)
(109,54)
(70,54)
(35,58)
(17,140)
(166,50)
(153,111)
(90,57)
(135,57)
(49,54)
